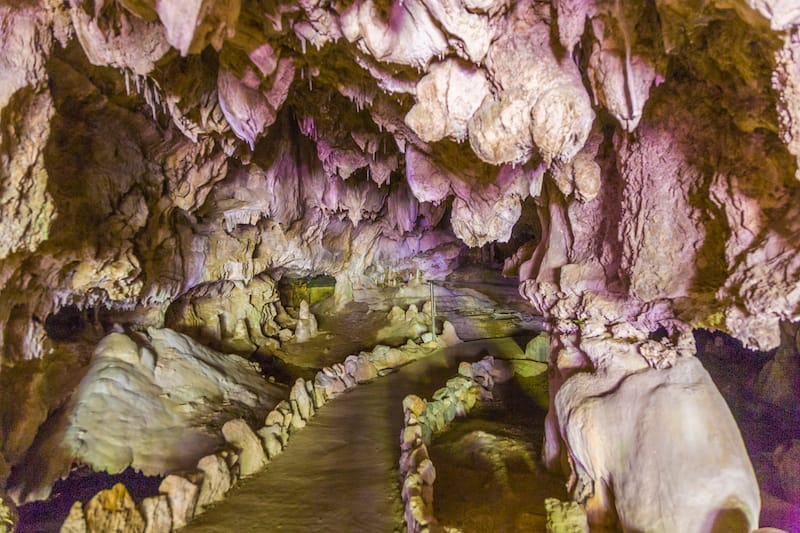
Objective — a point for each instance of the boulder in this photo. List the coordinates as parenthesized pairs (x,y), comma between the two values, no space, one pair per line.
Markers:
(113,510)
(251,457)
(396,314)
(414,404)
(299,394)
(272,439)
(157,514)
(127,413)
(565,517)
(216,480)
(76,520)
(182,495)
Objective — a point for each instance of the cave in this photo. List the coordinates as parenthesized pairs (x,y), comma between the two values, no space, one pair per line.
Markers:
(400,265)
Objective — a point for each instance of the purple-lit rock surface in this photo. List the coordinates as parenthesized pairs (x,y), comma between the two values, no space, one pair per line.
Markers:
(164,164)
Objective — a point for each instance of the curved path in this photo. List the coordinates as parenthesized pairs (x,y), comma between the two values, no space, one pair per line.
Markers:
(339,473)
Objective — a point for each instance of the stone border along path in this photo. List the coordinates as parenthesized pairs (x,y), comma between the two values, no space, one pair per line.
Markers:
(423,420)
(183,497)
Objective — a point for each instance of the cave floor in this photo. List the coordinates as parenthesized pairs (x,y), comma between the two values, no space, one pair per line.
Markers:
(478,309)
(340,472)
(488,476)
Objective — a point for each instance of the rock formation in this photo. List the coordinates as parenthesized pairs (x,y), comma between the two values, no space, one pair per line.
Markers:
(163,163)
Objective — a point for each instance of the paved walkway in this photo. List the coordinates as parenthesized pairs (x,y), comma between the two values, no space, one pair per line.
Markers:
(339,473)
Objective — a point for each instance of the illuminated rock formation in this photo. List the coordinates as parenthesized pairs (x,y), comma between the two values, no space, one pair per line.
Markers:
(163,163)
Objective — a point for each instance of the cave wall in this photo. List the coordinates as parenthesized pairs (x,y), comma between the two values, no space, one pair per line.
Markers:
(152,146)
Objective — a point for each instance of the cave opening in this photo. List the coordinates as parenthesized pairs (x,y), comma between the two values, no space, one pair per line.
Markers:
(66,324)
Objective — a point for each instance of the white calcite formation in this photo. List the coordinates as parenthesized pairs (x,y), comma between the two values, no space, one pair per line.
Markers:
(183,383)
(654,396)
(156,402)
(159,157)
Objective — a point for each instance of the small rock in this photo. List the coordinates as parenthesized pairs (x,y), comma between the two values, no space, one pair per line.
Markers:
(396,315)
(330,384)
(299,395)
(482,374)
(182,495)
(76,520)
(113,510)
(413,404)
(411,313)
(412,486)
(341,373)
(427,337)
(232,460)
(297,421)
(410,437)
(284,407)
(501,371)
(252,457)
(271,438)
(409,461)
(565,517)
(310,389)
(157,514)
(422,514)
(216,480)
(427,472)
(274,417)
(8,514)
(460,384)
(441,394)
(319,396)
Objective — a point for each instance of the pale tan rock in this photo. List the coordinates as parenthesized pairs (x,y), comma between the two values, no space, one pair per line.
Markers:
(216,480)
(113,510)
(126,41)
(299,394)
(190,26)
(182,495)
(414,404)
(154,419)
(565,517)
(157,514)
(251,457)
(272,440)
(306,328)
(447,97)
(75,521)
(449,335)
